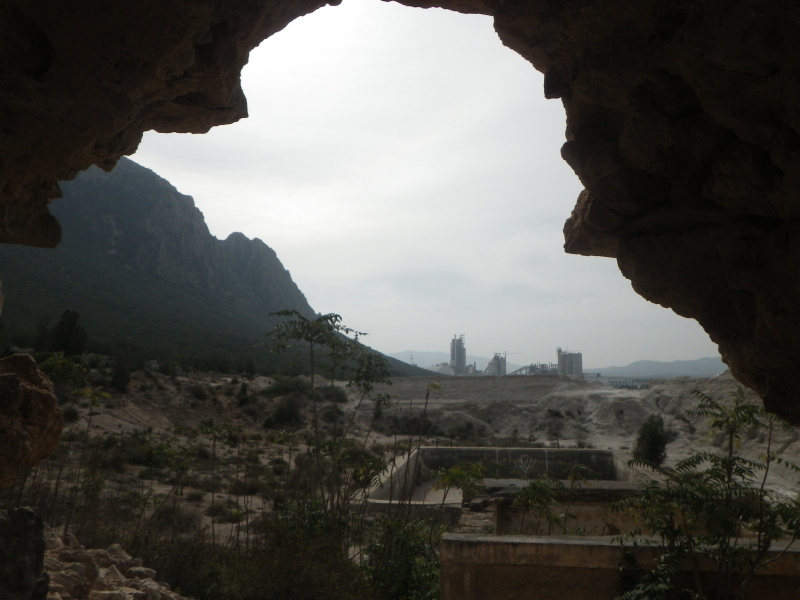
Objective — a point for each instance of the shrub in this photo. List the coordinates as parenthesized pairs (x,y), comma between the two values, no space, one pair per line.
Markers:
(198,391)
(286,413)
(402,561)
(120,375)
(279,466)
(68,370)
(195,496)
(71,414)
(245,487)
(467,431)
(176,518)
(414,424)
(652,440)
(67,336)
(331,413)
(333,393)
(284,386)
(288,565)
(72,436)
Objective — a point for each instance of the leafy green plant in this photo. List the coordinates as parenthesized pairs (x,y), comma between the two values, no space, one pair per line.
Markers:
(69,370)
(333,393)
(713,507)
(652,440)
(544,493)
(286,413)
(402,559)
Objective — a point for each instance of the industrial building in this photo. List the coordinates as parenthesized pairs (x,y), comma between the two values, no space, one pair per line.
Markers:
(570,363)
(458,357)
(496,366)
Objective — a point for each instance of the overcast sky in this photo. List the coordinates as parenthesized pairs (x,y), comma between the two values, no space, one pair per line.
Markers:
(405,167)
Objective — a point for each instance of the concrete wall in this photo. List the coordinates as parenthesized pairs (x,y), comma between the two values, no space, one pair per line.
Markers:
(477,567)
(399,481)
(508,462)
(589,505)
(626,472)
(595,519)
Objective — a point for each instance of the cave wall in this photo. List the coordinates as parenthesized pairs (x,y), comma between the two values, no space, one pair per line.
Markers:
(683,124)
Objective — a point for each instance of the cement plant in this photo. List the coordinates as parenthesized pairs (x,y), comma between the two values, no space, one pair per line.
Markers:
(567,363)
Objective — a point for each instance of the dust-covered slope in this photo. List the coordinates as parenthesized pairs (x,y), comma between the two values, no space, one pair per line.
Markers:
(559,410)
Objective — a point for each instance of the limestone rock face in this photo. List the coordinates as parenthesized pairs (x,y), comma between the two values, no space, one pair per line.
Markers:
(30,420)
(683,123)
(80,82)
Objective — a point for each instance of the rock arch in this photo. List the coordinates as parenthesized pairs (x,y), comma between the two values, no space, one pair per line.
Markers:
(683,125)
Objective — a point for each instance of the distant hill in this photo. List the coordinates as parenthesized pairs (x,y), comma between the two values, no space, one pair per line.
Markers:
(651,369)
(138,263)
(427,359)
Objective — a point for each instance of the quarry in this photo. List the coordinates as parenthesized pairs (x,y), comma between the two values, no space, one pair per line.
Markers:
(518,428)
(682,124)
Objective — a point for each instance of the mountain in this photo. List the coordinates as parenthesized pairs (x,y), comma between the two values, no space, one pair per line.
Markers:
(139,264)
(652,369)
(427,359)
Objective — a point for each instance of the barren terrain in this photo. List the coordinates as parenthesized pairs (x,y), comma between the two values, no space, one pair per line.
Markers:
(549,410)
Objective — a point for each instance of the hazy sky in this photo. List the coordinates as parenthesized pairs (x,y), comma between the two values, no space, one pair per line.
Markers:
(405,167)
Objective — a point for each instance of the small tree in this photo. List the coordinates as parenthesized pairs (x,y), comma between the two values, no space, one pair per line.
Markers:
(713,507)
(68,336)
(120,375)
(652,440)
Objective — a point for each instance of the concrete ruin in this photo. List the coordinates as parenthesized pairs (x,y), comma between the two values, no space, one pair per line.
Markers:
(498,552)
(485,567)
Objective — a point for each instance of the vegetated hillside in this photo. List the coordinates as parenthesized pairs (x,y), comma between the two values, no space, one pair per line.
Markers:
(653,369)
(138,263)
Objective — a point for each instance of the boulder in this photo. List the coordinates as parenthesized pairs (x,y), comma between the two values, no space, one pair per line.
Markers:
(30,420)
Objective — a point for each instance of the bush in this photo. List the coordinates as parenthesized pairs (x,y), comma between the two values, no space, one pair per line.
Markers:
(69,371)
(467,431)
(71,414)
(652,440)
(176,518)
(245,487)
(67,336)
(414,424)
(120,375)
(402,561)
(331,413)
(286,413)
(287,565)
(284,386)
(198,391)
(333,393)
(195,496)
